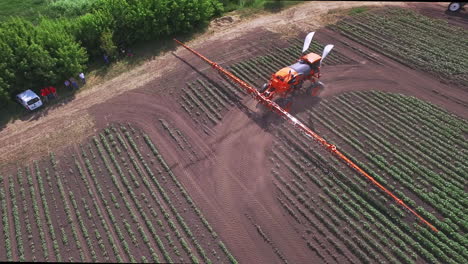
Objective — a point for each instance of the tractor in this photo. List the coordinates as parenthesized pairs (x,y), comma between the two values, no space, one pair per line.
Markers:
(287,81)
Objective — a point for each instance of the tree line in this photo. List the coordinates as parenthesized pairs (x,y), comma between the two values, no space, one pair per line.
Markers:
(34,55)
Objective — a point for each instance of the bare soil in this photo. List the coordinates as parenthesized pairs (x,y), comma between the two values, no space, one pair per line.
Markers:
(230,179)
(54,127)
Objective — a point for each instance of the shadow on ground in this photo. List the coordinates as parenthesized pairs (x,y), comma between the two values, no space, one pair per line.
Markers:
(15,111)
(463,14)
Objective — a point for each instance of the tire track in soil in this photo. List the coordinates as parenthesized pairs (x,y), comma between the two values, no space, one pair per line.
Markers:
(244,170)
(202,189)
(165,146)
(101,207)
(59,216)
(206,190)
(195,185)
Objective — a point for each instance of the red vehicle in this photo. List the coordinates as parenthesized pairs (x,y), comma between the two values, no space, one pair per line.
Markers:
(290,79)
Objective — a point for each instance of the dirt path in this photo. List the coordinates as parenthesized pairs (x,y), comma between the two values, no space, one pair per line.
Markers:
(44,131)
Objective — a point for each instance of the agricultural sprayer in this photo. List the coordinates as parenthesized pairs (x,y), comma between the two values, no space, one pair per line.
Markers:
(288,80)
(282,84)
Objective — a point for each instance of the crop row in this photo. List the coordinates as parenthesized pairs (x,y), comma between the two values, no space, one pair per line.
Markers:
(305,197)
(444,153)
(445,191)
(186,196)
(404,36)
(147,172)
(45,207)
(106,225)
(166,198)
(5,222)
(368,204)
(66,205)
(98,206)
(443,248)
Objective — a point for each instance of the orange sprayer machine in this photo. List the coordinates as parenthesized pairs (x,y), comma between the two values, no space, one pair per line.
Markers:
(297,124)
(285,82)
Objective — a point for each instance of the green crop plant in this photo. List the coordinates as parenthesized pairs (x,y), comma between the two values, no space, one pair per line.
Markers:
(37,216)
(46,211)
(16,220)
(90,170)
(82,225)
(5,222)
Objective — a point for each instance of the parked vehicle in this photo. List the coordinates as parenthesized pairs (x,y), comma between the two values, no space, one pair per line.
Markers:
(29,99)
(456,6)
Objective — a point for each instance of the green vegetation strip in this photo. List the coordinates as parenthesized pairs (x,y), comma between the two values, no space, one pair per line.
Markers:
(345,201)
(412,39)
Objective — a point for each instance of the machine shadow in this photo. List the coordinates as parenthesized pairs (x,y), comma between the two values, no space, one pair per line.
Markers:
(267,120)
(463,14)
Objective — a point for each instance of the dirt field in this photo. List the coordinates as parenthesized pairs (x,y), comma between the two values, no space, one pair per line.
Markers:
(232,182)
(229,179)
(73,116)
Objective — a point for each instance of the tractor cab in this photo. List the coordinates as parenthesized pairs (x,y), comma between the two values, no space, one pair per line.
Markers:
(313,60)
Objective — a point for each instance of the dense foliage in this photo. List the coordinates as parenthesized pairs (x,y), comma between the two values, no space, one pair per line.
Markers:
(57,48)
(33,56)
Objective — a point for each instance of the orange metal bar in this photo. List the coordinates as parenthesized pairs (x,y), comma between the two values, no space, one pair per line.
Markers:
(307,131)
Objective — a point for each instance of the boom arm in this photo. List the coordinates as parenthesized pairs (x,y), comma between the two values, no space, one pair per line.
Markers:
(307,131)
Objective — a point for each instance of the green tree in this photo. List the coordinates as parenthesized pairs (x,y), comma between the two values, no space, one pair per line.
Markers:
(34,56)
(88,30)
(6,74)
(70,58)
(30,62)
(107,43)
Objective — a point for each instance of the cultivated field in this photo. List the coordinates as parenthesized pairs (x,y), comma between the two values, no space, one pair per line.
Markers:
(185,169)
(417,150)
(413,40)
(417,157)
(112,199)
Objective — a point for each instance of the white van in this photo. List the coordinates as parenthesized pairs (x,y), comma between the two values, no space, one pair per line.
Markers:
(29,99)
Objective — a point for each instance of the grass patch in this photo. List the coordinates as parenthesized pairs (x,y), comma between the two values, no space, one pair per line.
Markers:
(357,10)
(247,8)
(23,8)
(33,9)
